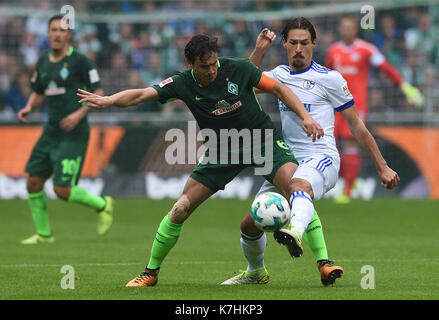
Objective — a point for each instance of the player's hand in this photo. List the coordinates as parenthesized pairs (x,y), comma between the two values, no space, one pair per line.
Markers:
(93,100)
(265,39)
(70,122)
(22,114)
(389,178)
(312,128)
(413,95)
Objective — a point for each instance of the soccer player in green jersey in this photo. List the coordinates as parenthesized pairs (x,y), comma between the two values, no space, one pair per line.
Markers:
(220,94)
(62,146)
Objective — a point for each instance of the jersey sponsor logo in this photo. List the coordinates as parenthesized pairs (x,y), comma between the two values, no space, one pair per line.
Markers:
(308,84)
(346,70)
(232,88)
(283,107)
(54,90)
(93,76)
(224,107)
(165,82)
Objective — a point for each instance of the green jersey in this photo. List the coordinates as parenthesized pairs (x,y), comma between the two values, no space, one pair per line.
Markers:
(228,102)
(59,82)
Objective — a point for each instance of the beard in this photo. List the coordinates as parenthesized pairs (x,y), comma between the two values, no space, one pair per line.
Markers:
(298,63)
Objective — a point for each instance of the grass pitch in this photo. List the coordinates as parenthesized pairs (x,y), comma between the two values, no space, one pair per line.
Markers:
(397,238)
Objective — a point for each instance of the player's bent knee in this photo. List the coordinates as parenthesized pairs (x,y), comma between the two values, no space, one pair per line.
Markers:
(62,192)
(180,211)
(34,184)
(298,184)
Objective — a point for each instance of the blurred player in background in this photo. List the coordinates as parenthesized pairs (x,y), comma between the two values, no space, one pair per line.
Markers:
(353,58)
(62,146)
(323,92)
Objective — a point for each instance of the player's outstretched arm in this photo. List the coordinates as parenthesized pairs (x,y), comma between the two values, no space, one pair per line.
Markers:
(34,101)
(263,43)
(412,94)
(389,178)
(287,96)
(121,99)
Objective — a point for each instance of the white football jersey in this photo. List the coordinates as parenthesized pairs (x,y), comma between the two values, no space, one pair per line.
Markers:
(322,91)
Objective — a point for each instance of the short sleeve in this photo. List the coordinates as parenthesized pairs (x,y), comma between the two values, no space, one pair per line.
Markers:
(376,58)
(254,72)
(338,91)
(91,75)
(35,82)
(169,88)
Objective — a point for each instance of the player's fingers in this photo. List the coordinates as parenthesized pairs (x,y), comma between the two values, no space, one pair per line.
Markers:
(320,131)
(270,35)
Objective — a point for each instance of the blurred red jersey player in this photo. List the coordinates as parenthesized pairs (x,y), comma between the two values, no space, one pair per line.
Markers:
(353,58)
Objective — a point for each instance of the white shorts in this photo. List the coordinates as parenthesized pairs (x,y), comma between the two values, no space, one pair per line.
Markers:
(320,171)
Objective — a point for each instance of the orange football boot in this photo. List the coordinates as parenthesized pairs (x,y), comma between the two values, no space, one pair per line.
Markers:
(328,272)
(148,278)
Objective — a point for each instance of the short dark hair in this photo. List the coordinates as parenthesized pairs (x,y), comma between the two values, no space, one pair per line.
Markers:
(58,16)
(299,23)
(199,46)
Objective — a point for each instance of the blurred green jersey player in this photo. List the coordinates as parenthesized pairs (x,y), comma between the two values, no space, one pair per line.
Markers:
(61,149)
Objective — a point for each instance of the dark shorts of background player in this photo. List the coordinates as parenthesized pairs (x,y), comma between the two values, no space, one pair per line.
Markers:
(64,157)
(216,176)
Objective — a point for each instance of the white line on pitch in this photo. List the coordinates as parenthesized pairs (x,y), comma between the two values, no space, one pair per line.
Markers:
(28,265)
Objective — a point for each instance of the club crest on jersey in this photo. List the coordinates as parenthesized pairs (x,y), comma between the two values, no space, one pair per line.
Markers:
(64,73)
(232,88)
(308,84)
(165,82)
(355,56)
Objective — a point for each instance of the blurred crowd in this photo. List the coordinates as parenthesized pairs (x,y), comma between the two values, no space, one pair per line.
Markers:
(133,55)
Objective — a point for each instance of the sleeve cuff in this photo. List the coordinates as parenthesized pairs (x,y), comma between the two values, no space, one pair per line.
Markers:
(345,106)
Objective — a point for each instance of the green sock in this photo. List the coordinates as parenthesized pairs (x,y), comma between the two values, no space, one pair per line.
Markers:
(38,208)
(314,238)
(165,239)
(82,196)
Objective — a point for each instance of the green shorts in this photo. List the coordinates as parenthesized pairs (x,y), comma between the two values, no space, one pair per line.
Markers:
(216,176)
(63,158)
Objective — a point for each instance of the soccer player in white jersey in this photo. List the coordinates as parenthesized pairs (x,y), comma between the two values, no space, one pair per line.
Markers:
(323,92)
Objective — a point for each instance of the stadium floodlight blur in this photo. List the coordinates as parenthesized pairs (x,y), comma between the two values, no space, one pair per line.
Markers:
(137,43)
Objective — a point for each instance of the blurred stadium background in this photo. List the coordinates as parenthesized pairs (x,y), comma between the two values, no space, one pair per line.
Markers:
(139,43)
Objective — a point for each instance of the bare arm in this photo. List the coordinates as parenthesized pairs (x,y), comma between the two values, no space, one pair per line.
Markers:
(263,43)
(121,99)
(34,101)
(389,178)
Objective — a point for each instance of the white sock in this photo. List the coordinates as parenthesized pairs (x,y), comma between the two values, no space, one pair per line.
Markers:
(253,249)
(302,211)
